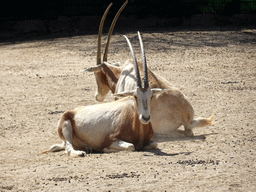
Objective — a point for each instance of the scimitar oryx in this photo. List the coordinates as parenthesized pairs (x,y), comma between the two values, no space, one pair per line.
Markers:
(124,124)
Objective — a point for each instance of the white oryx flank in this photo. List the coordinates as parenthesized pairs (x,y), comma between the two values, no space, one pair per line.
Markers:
(169,110)
(110,127)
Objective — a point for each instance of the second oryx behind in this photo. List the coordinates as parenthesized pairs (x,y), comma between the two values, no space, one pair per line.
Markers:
(170,110)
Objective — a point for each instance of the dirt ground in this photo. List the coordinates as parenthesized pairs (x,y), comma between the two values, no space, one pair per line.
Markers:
(216,70)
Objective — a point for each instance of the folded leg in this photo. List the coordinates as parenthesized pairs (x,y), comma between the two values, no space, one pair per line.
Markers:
(119,146)
(67,134)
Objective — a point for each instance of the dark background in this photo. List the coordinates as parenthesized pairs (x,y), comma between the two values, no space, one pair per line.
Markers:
(51,9)
(83,16)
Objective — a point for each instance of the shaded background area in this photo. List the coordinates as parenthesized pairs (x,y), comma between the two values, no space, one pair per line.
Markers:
(34,19)
(142,8)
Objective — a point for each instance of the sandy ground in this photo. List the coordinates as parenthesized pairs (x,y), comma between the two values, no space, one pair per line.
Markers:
(215,69)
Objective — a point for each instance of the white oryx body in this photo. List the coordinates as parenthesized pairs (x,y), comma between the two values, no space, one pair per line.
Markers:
(103,127)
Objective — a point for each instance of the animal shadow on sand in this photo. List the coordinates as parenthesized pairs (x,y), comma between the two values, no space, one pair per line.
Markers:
(159,152)
(159,139)
(164,138)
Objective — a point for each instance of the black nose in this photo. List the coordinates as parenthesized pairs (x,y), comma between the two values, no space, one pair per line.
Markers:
(146,118)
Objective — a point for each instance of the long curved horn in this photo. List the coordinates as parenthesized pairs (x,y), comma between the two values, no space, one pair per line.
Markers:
(105,57)
(100,33)
(145,68)
(137,72)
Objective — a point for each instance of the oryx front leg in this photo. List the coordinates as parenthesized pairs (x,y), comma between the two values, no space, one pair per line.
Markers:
(119,145)
(67,134)
(188,133)
(151,145)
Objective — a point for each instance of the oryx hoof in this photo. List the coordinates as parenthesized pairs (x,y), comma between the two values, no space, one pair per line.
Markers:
(188,133)
(76,153)
(88,150)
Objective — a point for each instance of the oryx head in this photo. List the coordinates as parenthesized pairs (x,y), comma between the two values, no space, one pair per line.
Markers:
(142,95)
(101,79)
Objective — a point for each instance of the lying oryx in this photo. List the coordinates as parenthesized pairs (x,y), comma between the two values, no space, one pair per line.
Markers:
(118,125)
(169,110)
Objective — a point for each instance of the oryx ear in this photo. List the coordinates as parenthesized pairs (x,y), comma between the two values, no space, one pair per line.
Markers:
(123,94)
(158,90)
(93,69)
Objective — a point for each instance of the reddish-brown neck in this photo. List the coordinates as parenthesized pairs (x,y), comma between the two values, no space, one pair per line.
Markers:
(112,75)
(143,132)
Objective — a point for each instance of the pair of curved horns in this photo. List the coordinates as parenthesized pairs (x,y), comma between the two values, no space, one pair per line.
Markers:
(109,33)
(145,68)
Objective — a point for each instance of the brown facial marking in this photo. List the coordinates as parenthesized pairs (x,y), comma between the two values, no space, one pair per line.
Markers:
(101,82)
(144,102)
(112,75)
(107,78)
(143,89)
